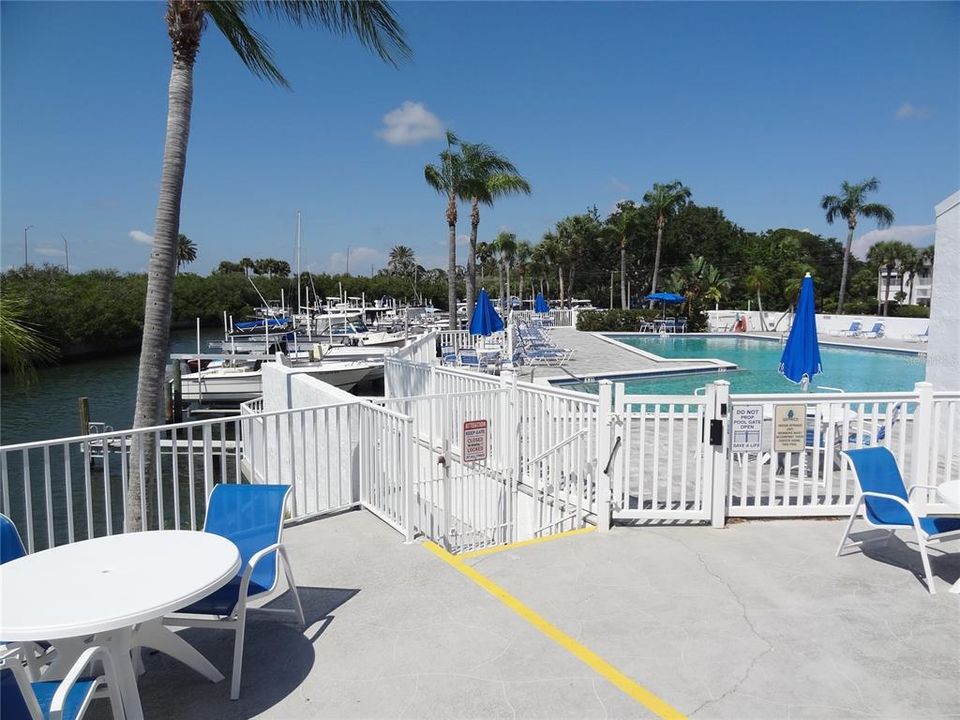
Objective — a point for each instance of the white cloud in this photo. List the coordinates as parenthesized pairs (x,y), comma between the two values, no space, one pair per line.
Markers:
(361,258)
(48,252)
(909,111)
(141,237)
(409,124)
(619,186)
(919,235)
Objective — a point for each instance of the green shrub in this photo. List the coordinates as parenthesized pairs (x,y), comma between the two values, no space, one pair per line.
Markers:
(910,311)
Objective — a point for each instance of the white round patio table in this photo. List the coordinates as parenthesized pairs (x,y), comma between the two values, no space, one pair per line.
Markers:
(949,492)
(117,588)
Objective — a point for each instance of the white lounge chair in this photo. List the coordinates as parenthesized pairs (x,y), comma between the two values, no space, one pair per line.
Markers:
(918,337)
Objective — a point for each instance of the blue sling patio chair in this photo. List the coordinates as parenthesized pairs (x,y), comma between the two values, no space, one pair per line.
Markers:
(11,546)
(67,699)
(887,506)
(251,516)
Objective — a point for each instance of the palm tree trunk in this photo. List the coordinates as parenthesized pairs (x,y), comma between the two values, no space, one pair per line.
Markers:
(570,285)
(506,307)
(560,275)
(656,260)
(472,258)
(846,266)
(763,323)
(886,292)
(452,261)
(623,274)
(502,296)
(156,316)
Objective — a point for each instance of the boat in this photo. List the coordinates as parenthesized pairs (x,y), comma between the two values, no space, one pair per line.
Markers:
(231,384)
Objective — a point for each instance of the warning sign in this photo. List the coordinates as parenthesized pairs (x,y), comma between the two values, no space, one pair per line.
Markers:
(474,445)
(789,428)
(747,428)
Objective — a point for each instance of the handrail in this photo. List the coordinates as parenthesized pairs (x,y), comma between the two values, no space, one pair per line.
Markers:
(558,446)
(613,453)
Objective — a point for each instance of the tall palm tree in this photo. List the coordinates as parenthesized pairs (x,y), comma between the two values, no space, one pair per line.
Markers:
(484,255)
(553,250)
(401,260)
(921,261)
(664,200)
(373,23)
(447,179)
(890,255)
(487,176)
(504,249)
(620,226)
(758,280)
(186,251)
(850,205)
(247,265)
(521,261)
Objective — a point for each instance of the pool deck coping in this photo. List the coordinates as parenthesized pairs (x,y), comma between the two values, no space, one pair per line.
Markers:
(690,365)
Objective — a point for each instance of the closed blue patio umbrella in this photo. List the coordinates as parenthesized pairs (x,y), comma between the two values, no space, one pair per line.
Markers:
(540,304)
(800,360)
(485,320)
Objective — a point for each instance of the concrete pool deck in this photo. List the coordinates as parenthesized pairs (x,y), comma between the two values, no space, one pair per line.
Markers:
(593,356)
(759,620)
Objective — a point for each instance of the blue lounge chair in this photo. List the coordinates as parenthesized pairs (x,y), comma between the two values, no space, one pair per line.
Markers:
(887,506)
(67,699)
(851,331)
(251,516)
(11,546)
(876,331)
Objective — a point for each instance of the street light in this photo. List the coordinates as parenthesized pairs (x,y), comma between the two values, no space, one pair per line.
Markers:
(25,244)
(66,254)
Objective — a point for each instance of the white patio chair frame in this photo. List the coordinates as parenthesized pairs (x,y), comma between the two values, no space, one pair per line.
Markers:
(923,538)
(13,660)
(236,621)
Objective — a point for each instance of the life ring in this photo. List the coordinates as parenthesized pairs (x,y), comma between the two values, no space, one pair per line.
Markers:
(741,325)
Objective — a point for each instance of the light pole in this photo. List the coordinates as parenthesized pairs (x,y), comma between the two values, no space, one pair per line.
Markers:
(66,254)
(25,244)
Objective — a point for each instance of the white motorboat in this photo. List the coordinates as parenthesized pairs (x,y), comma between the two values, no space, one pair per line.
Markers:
(235,384)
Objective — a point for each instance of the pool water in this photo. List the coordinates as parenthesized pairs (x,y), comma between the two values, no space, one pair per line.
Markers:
(853,369)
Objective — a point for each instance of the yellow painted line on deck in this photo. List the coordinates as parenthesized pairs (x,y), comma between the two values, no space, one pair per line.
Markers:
(523,543)
(638,692)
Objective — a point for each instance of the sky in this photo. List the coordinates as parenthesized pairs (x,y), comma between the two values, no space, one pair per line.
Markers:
(760,108)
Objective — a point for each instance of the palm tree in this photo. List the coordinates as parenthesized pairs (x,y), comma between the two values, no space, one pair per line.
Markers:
(619,227)
(664,200)
(447,179)
(401,260)
(850,205)
(484,256)
(504,249)
(554,253)
(373,23)
(487,176)
(758,280)
(21,347)
(921,261)
(186,251)
(521,261)
(889,256)
(247,265)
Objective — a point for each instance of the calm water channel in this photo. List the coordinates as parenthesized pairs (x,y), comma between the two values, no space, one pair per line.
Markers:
(48,408)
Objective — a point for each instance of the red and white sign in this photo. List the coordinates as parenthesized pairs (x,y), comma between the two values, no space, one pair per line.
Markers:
(474,445)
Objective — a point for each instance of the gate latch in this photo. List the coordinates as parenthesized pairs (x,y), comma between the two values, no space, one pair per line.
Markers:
(716,432)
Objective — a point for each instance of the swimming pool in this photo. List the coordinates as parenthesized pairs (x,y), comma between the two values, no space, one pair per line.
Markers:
(758,360)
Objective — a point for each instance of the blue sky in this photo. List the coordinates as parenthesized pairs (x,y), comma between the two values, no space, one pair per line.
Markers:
(760,108)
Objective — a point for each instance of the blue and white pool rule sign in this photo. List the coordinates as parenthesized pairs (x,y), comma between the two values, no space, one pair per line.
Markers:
(746,423)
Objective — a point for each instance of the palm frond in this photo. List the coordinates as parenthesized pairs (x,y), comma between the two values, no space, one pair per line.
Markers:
(434,177)
(372,22)
(251,47)
(881,213)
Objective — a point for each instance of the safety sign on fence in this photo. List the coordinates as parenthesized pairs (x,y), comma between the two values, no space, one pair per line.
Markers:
(474,445)
(789,428)
(747,428)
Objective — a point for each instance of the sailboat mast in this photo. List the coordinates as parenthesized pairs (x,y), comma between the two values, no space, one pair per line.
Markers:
(299,302)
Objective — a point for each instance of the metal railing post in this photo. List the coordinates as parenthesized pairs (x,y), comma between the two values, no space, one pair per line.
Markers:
(207,464)
(719,412)
(922,442)
(604,430)
(409,482)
